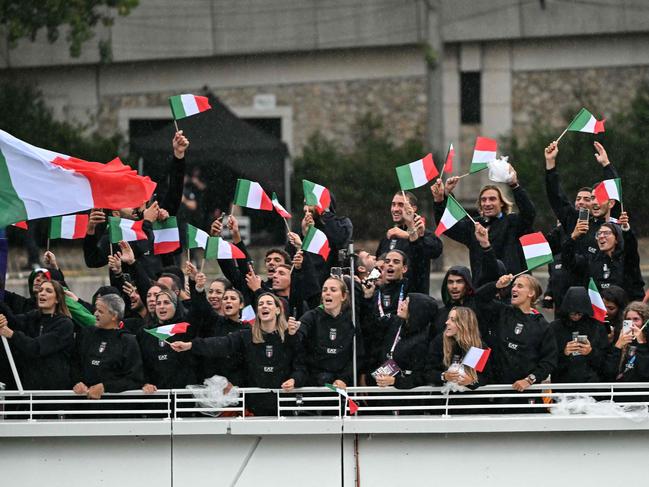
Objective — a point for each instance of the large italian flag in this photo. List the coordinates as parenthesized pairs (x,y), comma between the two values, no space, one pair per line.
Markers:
(69,226)
(596,301)
(166,237)
(125,229)
(586,122)
(316,195)
(315,241)
(452,214)
(536,249)
(484,152)
(196,238)
(217,248)
(610,189)
(167,331)
(187,105)
(251,195)
(417,173)
(38,183)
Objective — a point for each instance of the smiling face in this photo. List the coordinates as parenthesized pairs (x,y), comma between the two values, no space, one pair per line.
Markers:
(451,324)
(164,307)
(151,298)
(397,208)
(47,300)
(606,239)
(583,200)
(281,279)
(272,261)
(490,203)
(267,309)
(523,294)
(333,295)
(215,295)
(232,304)
(456,287)
(599,210)
(394,267)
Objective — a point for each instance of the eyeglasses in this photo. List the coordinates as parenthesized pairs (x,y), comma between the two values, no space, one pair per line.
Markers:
(603,234)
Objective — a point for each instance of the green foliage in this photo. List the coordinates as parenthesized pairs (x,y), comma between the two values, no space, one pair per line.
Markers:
(625,141)
(24,18)
(24,114)
(362,180)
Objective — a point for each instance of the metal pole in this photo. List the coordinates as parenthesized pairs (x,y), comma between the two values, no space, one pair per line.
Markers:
(353,296)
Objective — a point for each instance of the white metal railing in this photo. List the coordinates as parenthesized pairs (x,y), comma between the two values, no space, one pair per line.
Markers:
(179,404)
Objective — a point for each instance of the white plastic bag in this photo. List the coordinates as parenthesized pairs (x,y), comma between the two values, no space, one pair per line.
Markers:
(500,170)
(212,395)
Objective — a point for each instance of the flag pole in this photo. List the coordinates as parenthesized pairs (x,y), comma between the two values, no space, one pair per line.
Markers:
(441,173)
(288,228)
(520,274)
(48,244)
(188,255)
(562,134)
(202,265)
(463,175)
(176,125)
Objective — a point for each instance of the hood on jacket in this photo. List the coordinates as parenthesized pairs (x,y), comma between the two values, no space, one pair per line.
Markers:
(422,310)
(464,273)
(576,300)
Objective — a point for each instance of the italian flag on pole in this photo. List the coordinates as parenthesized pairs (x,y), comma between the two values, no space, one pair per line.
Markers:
(448,165)
(250,195)
(452,214)
(38,183)
(167,331)
(279,208)
(124,229)
(353,407)
(69,226)
(217,248)
(316,195)
(609,189)
(585,122)
(476,358)
(315,241)
(536,249)
(596,301)
(484,152)
(166,237)
(187,105)
(196,238)
(417,173)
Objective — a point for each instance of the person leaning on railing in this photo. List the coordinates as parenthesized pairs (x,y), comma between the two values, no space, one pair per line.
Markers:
(42,340)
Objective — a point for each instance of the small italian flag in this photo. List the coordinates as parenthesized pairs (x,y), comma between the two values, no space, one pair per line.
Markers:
(279,208)
(124,229)
(315,241)
(452,214)
(166,237)
(417,173)
(448,165)
(248,315)
(250,195)
(196,238)
(187,105)
(476,358)
(69,226)
(610,189)
(585,122)
(536,249)
(316,195)
(167,331)
(484,152)
(596,301)
(22,225)
(217,248)
(353,407)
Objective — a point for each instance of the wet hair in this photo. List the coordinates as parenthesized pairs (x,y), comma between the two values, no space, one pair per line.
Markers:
(235,291)
(534,283)
(115,305)
(507,205)
(344,290)
(283,253)
(412,199)
(403,255)
(61,306)
(280,320)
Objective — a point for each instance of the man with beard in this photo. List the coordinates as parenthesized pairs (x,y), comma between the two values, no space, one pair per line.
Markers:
(409,235)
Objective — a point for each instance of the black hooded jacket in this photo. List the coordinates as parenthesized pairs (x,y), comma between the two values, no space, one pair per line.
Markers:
(42,345)
(111,357)
(163,367)
(622,268)
(578,368)
(522,344)
(328,343)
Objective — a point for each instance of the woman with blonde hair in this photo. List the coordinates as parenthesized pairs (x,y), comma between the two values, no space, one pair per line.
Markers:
(628,359)
(273,358)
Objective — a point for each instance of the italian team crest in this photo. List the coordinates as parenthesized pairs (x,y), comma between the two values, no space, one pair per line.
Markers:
(269,351)
(102,347)
(332,334)
(387,300)
(518,329)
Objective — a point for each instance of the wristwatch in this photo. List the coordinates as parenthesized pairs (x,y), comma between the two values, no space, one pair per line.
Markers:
(531,378)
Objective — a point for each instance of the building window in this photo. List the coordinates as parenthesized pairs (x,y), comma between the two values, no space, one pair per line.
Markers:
(470,97)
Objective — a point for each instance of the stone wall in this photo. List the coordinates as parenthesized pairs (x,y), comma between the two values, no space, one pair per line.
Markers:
(542,95)
(328,107)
